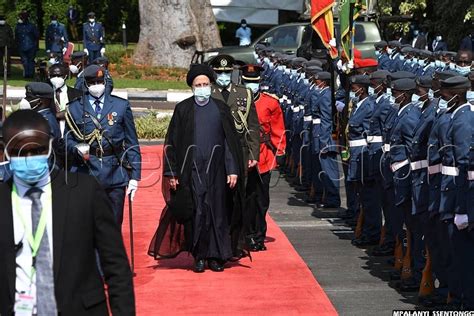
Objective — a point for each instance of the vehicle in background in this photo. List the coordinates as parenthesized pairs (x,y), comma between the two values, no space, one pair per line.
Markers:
(289,37)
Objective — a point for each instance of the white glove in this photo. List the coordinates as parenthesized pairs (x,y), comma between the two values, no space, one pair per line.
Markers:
(332,42)
(461,221)
(132,188)
(339,64)
(48,51)
(86,51)
(84,150)
(102,51)
(340,106)
(64,50)
(350,64)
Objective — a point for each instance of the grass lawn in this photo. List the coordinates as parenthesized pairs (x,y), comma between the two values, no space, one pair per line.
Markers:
(16,79)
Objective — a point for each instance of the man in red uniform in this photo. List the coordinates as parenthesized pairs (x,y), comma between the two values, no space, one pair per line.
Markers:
(272,151)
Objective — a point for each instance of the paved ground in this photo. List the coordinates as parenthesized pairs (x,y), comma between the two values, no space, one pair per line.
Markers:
(356,283)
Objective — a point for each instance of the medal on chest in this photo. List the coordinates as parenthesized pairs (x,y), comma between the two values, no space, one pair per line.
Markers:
(110,119)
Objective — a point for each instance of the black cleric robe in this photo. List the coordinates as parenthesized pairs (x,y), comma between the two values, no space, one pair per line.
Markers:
(203,215)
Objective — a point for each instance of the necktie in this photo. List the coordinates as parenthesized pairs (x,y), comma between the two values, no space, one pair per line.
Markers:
(225,94)
(58,99)
(45,297)
(97,108)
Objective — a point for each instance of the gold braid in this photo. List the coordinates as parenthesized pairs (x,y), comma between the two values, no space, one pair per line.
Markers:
(90,138)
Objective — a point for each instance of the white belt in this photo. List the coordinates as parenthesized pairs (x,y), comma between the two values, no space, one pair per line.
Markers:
(284,97)
(281,100)
(397,165)
(308,118)
(374,139)
(357,143)
(289,101)
(434,169)
(301,107)
(470,175)
(420,164)
(295,109)
(450,171)
(316,121)
(386,148)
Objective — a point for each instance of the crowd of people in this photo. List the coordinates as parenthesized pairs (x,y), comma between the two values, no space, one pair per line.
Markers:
(399,139)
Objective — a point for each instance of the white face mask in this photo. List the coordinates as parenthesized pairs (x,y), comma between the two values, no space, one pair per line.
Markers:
(470,95)
(57,82)
(54,22)
(439,38)
(91,21)
(20,21)
(24,104)
(371,91)
(253,86)
(202,94)
(97,90)
(74,69)
(389,51)
(52,61)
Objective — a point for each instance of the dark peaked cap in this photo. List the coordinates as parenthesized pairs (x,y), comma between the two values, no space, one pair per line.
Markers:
(323,75)
(198,70)
(457,82)
(360,79)
(442,75)
(401,75)
(405,84)
(381,44)
(379,75)
(39,90)
(424,81)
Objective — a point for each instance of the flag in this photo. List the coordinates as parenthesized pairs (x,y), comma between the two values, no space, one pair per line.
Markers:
(322,21)
(346,17)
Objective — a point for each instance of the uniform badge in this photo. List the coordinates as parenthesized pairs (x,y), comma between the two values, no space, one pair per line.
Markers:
(223,62)
(110,118)
(114,113)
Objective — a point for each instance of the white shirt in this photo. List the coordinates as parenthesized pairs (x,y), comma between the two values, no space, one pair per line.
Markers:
(244,35)
(379,98)
(358,105)
(63,99)
(24,259)
(101,100)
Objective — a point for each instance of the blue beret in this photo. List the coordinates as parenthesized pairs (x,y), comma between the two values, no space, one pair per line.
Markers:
(401,75)
(394,44)
(322,75)
(404,84)
(39,90)
(94,72)
(381,44)
(312,70)
(424,81)
(298,62)
(379,75)
(456,82)
(441,75)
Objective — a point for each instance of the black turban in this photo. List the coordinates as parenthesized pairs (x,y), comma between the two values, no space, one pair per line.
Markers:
(198,70)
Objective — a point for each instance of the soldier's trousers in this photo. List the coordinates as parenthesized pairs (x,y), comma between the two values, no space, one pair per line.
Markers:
(458,269)
(28,62)
(352,196)
(370,201)
(117,199)
(93,55)
(258,191)
(330,178)
(316,179)
(305,154)
(464,251)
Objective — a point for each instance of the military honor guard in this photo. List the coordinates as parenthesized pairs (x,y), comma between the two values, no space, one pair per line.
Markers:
(101,136)
(27,37)
(56,37)
(93,37)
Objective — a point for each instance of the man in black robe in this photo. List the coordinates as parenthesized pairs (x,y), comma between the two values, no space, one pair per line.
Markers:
(202,160)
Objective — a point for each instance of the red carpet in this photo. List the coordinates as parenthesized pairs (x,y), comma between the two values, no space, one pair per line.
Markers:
(277,282)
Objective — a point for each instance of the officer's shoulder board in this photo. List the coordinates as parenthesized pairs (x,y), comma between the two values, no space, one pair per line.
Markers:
(274,96)
(114,97)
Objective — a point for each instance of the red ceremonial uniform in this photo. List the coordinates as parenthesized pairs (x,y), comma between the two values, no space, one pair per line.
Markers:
(271,121)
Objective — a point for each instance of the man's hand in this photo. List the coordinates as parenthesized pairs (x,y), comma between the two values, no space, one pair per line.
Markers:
(173,183)
(83,150)
(232,180)
(64,50)
(132,188)
(86,51)
(102,51)
(461,221)
(252,163)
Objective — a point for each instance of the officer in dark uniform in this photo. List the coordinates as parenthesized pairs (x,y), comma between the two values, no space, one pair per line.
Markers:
(393,51)
(383,59)
(93,36)
(101,135)
(6,39)
(242,106)
(27,36)
(101,62)
(56,37)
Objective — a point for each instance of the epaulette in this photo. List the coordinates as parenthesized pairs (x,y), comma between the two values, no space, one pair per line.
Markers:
(271,95)
(117,97)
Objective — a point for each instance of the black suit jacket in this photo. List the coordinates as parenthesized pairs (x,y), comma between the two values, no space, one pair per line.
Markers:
(73,94)
(82,222)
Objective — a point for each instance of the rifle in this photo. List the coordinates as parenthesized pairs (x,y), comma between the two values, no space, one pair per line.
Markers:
(360,223)
(5,73)
(406,268)
(427,284)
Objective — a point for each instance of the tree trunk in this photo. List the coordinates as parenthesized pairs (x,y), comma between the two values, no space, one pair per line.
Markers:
(172,30)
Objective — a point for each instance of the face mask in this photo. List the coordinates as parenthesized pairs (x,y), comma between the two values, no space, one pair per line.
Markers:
(452,66)
(294,71)
(280,68)
(443,104)
(97,90)
(202,94)
(353,96)
(73,69)
(91,21)
(430,94)
(470,95)
(302,75)
(253,86)
(393,101)
(421,62)
(2,22)
(388,92)
(463,70)
(438,63)
(24,104)
(30,169)
(244,25)
(20,21)
(52,61)
(389,51)
(401,57)
(432,64)
(306,81)
(57,82)
(255,55)
(439,38)
(259,61)
(415,98)
(415,60)
(287,71)
(223,79)
(371,91)
(266,60)
(416,33)
(54,22)
(271,65)
(377,53)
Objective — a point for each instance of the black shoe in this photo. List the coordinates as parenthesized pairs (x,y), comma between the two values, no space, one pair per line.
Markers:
(352,221)
(382,251)
(261,246)
(215,265)
(327,206)
(364,242)
(199,266)
(302,188)
(344,215)
(391,261)
(395,275)
(409,285)
(252,244)
(311,200)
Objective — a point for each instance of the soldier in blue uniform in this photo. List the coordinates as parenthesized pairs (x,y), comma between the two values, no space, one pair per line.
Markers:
(454,205)
(109,83)
(56,37)
(101,135)
(358,172)
(324,148)
(393,51)
(383,59)
(401,138)
(27,36)
(93,35)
